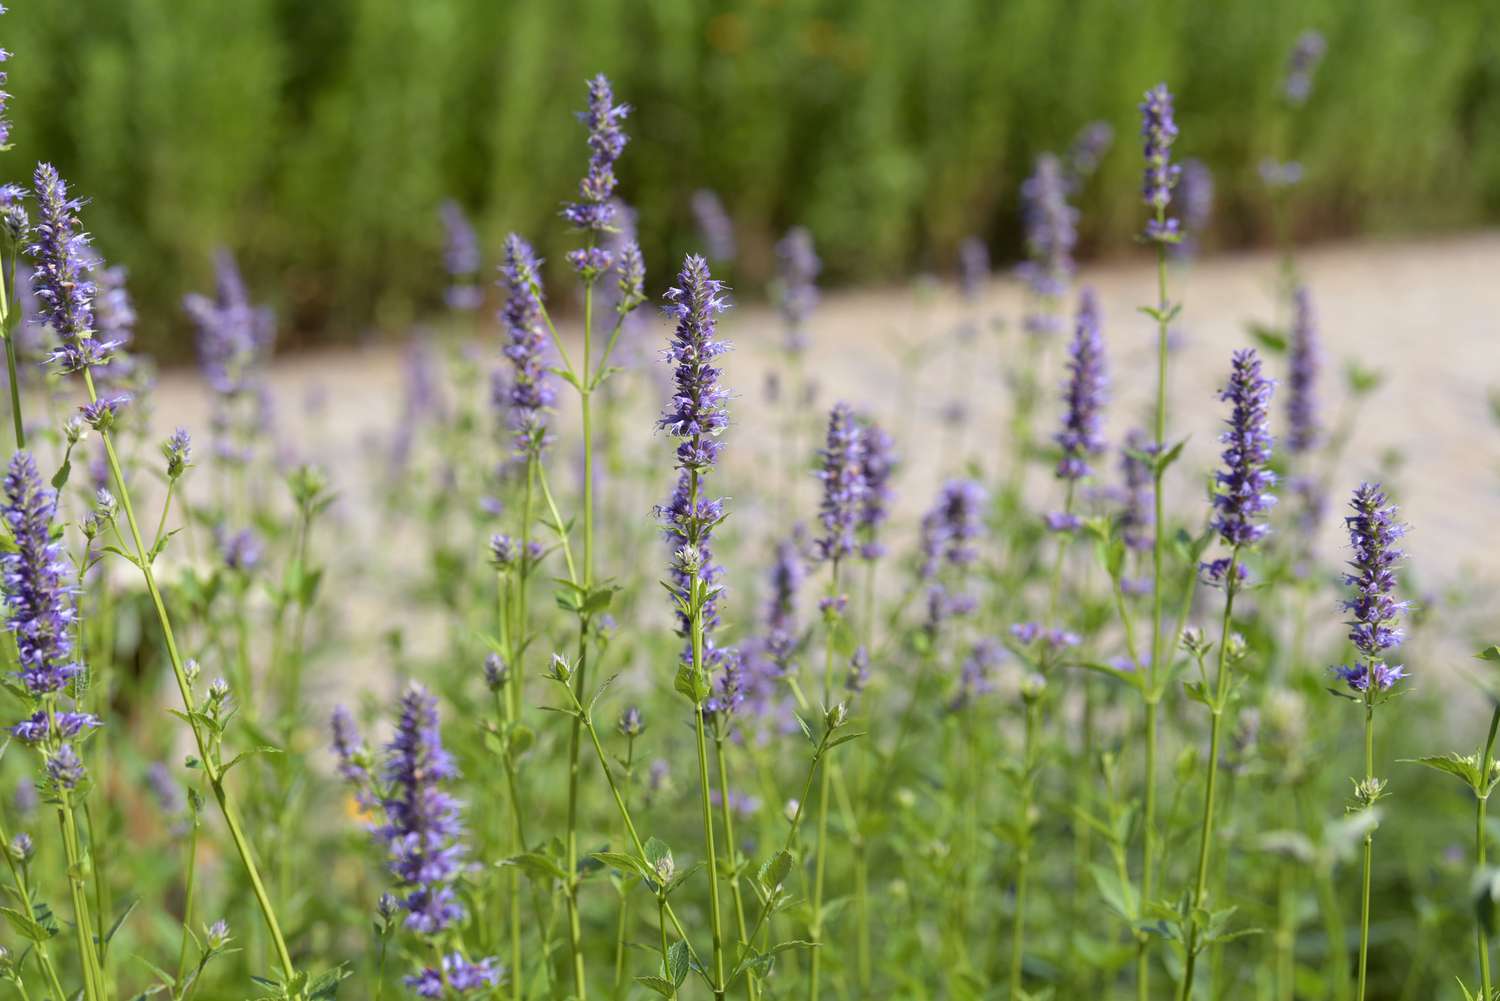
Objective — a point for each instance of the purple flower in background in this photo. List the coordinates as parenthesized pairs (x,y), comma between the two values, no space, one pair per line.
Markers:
(714,224)
(234,337)
(1307,52)
(1303,428)
(878,465)
(422,826)
(531,394)
(461,258)
(1159,131)
(348,746)
(785,578)
(593,212)
(1195,189)
(1279,175)
(458,976)
(797,270)
(1051,232)
(4,99)
(973,268)
(1375,623)
(1137,515)
(696,413)
(38,582)
(841,469)
(953,526)
(977,676)
(1243,495)
(240,550)
(1089,149)
(60,258)
(1084,394)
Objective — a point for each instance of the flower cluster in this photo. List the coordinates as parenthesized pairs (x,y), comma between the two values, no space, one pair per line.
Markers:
(949,537)
(234,336)
(797,269)
(461,258)
(1159,131)
(977,675)
(1375,623)
(714,224)
(973,268)
(60,258)
(1306,54)
(1195,189)
(594,211)
(841,469)
(1051,232)
(39,590)
(530,394)
(878,465)
(1243,495)
(1136,514)
(1084,393)
(696,413)
(1090,146)
(1303,429)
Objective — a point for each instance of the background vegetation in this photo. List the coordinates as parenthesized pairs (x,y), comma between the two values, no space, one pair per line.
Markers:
(317,139)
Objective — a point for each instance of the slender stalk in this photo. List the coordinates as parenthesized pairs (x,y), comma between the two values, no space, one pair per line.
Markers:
(1023,850)
(820,861)
(715,924)
(190,889)
(1153,669)
(1216,727)
(1480,853)
(1369,852)
(93,976)
(727,814)
(211,769)
(23,893)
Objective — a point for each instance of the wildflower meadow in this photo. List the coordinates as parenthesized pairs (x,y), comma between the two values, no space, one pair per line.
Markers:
(614,665)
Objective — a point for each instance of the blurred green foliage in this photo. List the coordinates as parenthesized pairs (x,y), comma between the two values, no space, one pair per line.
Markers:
(317,138)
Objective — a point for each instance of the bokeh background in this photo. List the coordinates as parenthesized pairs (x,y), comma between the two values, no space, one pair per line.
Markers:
(317,139)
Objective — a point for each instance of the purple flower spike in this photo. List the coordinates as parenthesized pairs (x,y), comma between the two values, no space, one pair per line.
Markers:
(841,468)
(1303,429)
(1306,54)
(1084,393)
(977,676)
(65,768)
(1051,232)
(461,258)
(1243,496)
(1196,188)
(973,268)
(879,465)
(797,269)
(1159,131)
(422,828)
(1089,149)
(950,533)
(715,225)
(531,394)
(39,586)
(1375,626)
(4,99)
(458,976)
(60,256)
(594,212)
(696,413)
(1138,514)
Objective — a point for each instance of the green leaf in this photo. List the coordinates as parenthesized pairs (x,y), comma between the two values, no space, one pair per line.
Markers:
(60,477)
(1462,766)
(1491,653)
(692,683)
(121,919)
(1120,895)
(774,872)
(537,864)
(677,962)
(599,599)
(660,985)
(1269,338)
(44,927)
(267,749)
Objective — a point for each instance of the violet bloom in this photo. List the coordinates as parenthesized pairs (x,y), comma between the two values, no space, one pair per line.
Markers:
(949,537)
(348,746)
(531,394)
(458,976)
(797,269)
(1375,622)
(841,469)
(1159,131)
(461,258)
(422,827)
(687,526)
(594,212)
(4,99)
(1138,515)
(65,769)
(977,675)
(1051,233)
(1306,54)
(1195,188)
(1243,495)
(60,257)
(234,337)
(973,268)
(785,577)
(240,551)
(696,414)
(714,224)
(1084,394)
(878,466)
(1089,149)
(1303,428)
(39,589)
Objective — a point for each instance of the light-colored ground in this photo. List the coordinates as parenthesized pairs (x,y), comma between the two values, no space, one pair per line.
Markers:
(1423,313)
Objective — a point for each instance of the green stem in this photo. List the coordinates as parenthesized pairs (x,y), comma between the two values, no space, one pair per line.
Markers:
(1369,852)
(727,814)
(820,861)
(1153,669)
(1480,846)
(211,769)
(1023,851)
(703,786)
(1216,727)
(190,888)
(93,976)
(23,893)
